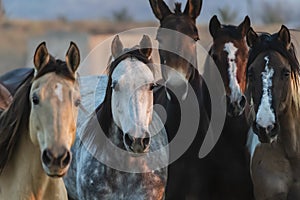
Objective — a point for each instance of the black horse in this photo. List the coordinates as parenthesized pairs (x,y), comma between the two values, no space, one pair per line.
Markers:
(181,95)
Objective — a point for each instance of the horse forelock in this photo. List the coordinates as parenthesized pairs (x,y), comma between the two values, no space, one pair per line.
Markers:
(177,8)
(59,67)
(128,53)
(230,31)
(270,42)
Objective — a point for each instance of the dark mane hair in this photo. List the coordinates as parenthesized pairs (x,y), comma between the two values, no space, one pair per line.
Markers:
(103,111)
(15,119)
(231,31)
(177,8)
(59,67)
(270,42)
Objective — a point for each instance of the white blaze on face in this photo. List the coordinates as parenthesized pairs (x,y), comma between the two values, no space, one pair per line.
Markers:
(132,100)
(59,91)
(232,70)
(265,116)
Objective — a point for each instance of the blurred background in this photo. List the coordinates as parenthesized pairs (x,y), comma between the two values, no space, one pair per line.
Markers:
(24,24)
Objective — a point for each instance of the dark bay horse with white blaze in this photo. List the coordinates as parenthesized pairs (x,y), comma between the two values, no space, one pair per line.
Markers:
(225,171)
(181,95)
(120,149)
(38,129)
(274,74)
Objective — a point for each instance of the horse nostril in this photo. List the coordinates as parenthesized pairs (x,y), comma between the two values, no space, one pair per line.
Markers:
(62,160)
(65,159)
(146,141)
(47,157)
(242,102)
(129,140)
(269,128)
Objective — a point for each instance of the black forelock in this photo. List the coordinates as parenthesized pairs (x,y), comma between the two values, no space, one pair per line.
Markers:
(267,42)
(58,66)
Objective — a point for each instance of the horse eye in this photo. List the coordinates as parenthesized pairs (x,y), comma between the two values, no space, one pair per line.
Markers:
(152,86)
(77,102)
(113,85)
(35,99)
(286,73)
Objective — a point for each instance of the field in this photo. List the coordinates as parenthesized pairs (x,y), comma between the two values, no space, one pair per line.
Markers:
(20,37)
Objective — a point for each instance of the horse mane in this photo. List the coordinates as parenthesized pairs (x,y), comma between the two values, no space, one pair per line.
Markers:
(270,42)
(103,111)
(177,8)
(231,31)
(15,119)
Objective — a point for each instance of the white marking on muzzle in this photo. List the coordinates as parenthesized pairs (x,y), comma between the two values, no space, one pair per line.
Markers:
(59,92)
(265,115)
(233,82)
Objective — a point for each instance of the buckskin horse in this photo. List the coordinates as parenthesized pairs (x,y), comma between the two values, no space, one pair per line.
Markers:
(273,73)
(38,129)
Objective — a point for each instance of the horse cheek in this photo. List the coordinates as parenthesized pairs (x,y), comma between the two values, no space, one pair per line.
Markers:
(33,129)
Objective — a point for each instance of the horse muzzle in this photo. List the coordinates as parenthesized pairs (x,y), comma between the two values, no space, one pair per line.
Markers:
(137,145)
(266,134)
(236,108)
(56,163)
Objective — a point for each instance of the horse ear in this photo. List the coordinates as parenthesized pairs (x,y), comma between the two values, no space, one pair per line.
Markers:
(41,56)
(193,8)
(160,9)
(146,46)
(73,57)
(116,47)
(214,26)
(252,37)
(284,36)
(244,26)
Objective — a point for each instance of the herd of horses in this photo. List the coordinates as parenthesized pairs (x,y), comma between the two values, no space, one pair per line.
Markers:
(51,148)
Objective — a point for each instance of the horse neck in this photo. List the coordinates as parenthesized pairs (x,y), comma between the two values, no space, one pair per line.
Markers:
(24,169)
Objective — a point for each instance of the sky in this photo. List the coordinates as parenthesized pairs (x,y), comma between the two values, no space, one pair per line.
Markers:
(139,9)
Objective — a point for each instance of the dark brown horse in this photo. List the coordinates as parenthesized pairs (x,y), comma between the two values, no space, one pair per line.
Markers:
(181,95)
(274,74)
(226,170)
